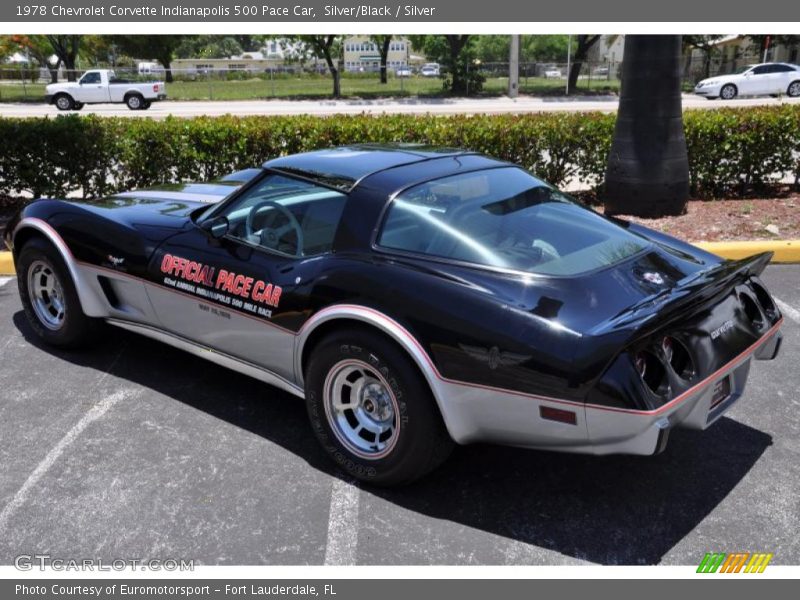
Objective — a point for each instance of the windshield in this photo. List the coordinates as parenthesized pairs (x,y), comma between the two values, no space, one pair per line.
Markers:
(504,218)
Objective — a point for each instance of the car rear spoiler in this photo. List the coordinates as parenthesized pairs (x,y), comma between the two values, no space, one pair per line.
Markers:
(686,297)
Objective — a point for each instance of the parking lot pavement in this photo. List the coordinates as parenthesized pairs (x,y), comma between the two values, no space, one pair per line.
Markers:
(136,450)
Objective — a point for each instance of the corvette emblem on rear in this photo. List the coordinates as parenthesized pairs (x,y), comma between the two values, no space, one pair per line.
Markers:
(653,277)
(726,326)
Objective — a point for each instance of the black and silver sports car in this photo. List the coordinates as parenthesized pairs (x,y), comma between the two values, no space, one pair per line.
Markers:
(414,297)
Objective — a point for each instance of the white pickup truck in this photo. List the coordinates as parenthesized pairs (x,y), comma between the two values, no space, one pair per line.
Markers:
(102,86)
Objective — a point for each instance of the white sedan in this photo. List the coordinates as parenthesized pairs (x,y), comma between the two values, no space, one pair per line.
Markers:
(766,79)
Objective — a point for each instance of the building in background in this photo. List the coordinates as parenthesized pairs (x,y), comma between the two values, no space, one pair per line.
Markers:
(362,54)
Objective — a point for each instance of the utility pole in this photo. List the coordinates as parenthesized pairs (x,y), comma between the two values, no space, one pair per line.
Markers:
(513,67)
(569,60)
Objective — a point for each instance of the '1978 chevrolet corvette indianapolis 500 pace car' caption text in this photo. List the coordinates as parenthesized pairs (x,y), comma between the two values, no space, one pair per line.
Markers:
(414,297)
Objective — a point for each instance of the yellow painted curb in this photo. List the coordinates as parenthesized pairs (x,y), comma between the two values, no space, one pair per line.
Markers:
(786,251)
(6,263)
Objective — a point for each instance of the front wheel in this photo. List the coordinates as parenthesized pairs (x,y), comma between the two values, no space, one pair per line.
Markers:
(728,92)
(793,90)
(372,410)
(134,102)
(49,297)
(64,102)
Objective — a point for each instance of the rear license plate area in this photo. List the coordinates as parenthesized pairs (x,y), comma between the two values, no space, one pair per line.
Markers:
(720,393)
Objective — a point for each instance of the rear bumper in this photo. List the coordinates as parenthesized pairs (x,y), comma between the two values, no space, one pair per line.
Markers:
(645,432)
(480,414)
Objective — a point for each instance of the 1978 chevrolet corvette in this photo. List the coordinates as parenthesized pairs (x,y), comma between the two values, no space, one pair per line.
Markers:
(415,297)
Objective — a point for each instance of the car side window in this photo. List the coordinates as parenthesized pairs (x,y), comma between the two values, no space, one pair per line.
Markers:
(91,78)
(782,68)
(762,70)
(286,215)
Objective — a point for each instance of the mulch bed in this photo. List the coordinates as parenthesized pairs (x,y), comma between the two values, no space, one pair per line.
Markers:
(732,220)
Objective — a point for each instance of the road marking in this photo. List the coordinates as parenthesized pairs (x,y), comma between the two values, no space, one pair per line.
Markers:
(788,310)
(97,411)
(342,543)
(5,280)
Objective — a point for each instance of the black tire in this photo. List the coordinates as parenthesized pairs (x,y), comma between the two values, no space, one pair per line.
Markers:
(728,92)
(711,97)
(134,101)
(793,91)
(64,102)
(76,330)
(420,441)
(77,105)
(146,105)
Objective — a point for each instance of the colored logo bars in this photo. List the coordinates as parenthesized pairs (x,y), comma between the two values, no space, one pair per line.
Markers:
(744,562)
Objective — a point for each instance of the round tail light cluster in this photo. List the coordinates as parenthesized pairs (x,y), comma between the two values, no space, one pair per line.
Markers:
(765,300)
(654,364)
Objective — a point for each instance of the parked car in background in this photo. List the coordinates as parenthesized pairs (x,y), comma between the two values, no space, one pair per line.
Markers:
(403,72)
(103,86)
(765,79)
(430,70)
(552,73)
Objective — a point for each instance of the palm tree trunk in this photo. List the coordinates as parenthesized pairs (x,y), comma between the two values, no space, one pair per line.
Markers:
(648,168)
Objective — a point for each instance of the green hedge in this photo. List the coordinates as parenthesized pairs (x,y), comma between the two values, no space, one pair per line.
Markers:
(729,149)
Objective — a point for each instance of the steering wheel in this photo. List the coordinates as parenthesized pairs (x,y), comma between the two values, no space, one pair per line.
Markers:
(270,237)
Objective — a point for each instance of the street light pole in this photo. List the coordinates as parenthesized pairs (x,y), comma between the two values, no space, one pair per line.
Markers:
(569,59)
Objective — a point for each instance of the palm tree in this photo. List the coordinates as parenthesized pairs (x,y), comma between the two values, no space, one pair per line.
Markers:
(648,169)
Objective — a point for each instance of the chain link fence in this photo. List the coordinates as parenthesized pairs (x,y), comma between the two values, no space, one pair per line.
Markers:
(241,81)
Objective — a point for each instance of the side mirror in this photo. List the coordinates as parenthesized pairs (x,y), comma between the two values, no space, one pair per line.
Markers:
(216,227)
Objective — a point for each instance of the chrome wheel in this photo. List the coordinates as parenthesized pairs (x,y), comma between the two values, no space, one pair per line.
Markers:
(361,409)
(134,102)
(63,103)
(794,89)
(728,92)
(46,295)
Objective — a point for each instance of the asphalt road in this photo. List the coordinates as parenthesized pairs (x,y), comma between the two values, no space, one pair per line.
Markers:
(136,450)
(442,106)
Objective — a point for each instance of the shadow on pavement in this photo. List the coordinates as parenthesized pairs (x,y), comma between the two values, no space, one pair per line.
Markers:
(609,510)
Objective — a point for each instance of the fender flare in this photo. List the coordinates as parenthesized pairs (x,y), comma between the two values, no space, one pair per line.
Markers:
(394,330)
(90,304)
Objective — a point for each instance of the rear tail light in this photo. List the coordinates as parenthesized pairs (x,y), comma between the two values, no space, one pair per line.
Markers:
(678,357)
(653,372)
(765,300)
(751,310)
(155,88)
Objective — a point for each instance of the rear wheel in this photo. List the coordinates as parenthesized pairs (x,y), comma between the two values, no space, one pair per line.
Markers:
(146,104)
(49,297)
(728,92)
(794,89)
(134,102)
(64,102)
(372,410)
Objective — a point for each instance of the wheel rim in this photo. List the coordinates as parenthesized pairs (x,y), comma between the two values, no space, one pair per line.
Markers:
(63,102)
(46,295)
(361,409)
(133,102)
(794,89)
(728,92)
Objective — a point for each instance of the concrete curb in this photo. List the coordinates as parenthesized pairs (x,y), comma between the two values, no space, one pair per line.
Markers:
(6,263)
(786,251)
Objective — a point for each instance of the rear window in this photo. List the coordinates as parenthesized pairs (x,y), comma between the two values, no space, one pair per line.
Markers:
(504,218)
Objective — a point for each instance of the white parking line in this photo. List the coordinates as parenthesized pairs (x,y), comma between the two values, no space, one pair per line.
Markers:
(788,310)
(5,280)
(97,411)
(342,524)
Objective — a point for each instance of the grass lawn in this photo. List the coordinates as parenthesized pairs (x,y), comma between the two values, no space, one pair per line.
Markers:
(320,87)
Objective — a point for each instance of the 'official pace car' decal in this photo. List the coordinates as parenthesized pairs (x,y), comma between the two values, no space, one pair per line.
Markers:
(233,289)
